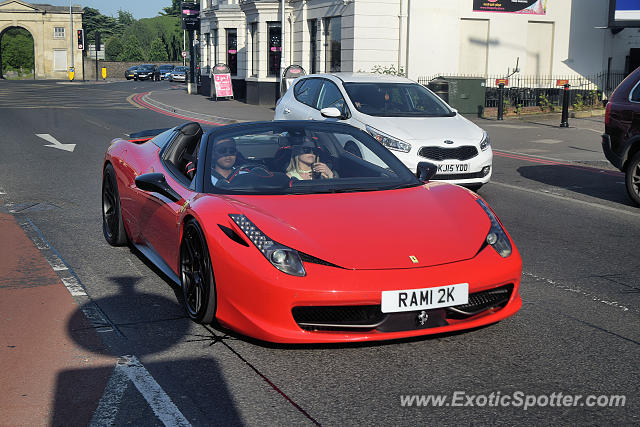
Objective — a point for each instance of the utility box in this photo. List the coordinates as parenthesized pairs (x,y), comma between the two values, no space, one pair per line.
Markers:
(466,94)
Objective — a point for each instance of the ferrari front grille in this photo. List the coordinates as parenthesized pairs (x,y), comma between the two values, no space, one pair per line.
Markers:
(333,318)
(439,154)
(481,301)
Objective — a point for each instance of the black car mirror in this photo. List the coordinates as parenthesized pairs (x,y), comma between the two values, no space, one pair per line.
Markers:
(157,183)
(426,171)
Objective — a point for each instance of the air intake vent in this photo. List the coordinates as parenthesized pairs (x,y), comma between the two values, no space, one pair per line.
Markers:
(439,154)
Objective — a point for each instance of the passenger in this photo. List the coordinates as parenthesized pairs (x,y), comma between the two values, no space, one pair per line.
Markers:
(224,157)
(305,164)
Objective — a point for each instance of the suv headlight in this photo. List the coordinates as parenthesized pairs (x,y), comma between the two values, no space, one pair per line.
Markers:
(388,141)
(497,237)
(280,256)
(485,142)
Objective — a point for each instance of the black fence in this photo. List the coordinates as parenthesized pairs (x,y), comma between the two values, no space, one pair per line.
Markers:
(541,91)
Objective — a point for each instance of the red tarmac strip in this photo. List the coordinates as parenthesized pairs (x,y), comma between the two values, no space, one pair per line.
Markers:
(53,364)
(138,100)
(553,162)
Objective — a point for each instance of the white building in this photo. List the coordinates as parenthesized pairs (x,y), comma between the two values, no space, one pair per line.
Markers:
(565,38)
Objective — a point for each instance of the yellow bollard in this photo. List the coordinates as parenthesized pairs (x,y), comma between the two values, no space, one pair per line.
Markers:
(104,73)
(72,73)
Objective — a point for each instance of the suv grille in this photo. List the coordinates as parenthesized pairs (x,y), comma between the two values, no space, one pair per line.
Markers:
(464,152)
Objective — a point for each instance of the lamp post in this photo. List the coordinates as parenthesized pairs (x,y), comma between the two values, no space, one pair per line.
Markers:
(282,22)
(71,33)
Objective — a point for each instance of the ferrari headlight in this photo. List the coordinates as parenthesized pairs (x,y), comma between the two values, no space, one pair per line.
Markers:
(388,141)
(485,142)
(496,238)
(280,256)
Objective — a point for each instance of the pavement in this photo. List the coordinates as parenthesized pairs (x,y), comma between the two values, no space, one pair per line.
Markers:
(52,377)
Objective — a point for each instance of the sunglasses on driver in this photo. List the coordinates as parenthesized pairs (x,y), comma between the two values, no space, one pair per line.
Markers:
(306,150)
(225,150)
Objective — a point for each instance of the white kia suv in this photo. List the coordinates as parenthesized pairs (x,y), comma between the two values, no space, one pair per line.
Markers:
(407,118)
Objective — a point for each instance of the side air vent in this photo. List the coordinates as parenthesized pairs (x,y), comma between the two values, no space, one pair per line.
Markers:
(233,235)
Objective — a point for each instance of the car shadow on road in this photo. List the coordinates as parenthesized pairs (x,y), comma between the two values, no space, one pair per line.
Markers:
(601,184)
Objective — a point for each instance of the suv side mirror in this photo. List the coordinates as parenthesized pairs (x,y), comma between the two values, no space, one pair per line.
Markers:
(426,171)
(157,183)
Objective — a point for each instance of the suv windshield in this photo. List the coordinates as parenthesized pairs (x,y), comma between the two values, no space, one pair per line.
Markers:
(396,100)
(301,158)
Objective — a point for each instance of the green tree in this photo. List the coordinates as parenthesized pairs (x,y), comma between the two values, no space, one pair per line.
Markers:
(93,20)
(173,10)
(113,48)
(131,50)
(157,51)
(125,18)
(17,50)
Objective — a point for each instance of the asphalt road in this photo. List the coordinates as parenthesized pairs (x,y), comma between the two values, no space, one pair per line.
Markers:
(578,332)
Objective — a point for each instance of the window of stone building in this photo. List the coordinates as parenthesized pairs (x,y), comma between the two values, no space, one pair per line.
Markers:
(58,32)
(232,50)
(313,46)
(214,35)
(274,47)
(332,44)
(253,30)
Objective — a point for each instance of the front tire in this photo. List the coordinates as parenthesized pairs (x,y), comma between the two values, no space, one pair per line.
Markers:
(196,275)
(632,178)
(112,224)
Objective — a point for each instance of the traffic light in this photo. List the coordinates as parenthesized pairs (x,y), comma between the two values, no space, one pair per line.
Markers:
(97,36)
(80,39)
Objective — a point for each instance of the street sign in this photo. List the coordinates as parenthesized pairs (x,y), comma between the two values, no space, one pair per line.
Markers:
(190,16)
(223,85)
(184,53)
(562,82)
(502,81)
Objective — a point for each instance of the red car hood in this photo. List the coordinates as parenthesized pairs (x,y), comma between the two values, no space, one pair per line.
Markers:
(436,223)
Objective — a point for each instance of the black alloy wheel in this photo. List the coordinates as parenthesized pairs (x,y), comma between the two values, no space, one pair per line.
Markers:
(112,224)
(632,178)
(196,274)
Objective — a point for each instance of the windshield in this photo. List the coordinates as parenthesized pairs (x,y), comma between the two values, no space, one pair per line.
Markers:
(166,68)
(179,69)
(300,158)
(396,100)
(145,68)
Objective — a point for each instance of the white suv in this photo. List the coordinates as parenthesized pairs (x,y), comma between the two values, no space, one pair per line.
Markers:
(407,118)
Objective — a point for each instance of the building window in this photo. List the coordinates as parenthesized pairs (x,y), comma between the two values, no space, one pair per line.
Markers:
(274,48)
(332,43)
(60,59)
(58,33)
(253,29)
(207,38)
(232,51)
(313,45)
(215,46)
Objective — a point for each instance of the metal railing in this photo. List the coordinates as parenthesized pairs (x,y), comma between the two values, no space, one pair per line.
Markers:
(532,91)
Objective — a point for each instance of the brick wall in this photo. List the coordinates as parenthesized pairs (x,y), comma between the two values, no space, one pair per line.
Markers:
(114,69)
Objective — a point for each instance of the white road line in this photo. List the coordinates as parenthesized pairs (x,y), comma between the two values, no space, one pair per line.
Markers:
(547,141)
(158,400)
(576,290)
(73,286)
(107,410)
(547,193)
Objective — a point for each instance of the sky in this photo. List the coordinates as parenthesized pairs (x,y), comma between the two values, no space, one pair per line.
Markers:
(138,8)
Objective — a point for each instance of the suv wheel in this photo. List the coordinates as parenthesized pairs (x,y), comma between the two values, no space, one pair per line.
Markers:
(633,178)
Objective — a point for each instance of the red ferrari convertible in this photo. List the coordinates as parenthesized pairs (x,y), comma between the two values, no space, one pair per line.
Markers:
(300,232)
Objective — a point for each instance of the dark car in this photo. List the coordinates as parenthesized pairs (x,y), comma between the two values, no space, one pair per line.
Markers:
(130,73)
(165,71)
(147,72)
(621,138)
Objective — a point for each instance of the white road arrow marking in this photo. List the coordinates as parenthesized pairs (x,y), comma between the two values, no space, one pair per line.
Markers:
(55,143)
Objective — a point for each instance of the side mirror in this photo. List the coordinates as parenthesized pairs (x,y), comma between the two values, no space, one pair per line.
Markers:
(157,183)
(426,171)
(331,113)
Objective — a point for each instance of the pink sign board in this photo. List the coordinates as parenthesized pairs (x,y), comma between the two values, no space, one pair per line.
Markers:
(223,85)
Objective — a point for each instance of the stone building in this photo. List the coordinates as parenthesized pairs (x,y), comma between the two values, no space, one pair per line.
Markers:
(53,31)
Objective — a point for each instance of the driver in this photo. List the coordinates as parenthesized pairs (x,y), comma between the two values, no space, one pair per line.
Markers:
(224,157)
(305,163)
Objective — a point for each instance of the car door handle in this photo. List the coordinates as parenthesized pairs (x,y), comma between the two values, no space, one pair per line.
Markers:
(286,111)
